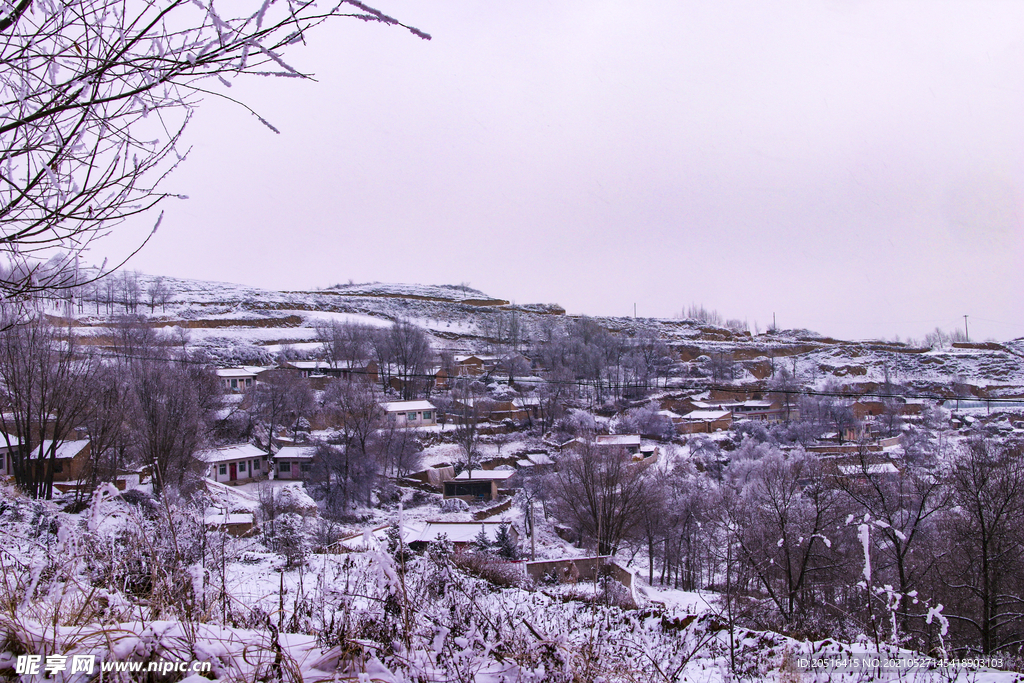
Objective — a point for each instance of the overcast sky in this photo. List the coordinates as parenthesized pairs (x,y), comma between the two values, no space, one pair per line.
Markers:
(855,168)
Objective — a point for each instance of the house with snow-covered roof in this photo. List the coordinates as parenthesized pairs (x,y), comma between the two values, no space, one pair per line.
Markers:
(704,421)
(294,462)
(365,370)
(238,380)
(236,464)
(410,413)
(8,442)
(70,460)
(473,485)
(474,365)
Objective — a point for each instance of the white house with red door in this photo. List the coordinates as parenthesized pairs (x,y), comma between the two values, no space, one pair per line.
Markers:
(239,463)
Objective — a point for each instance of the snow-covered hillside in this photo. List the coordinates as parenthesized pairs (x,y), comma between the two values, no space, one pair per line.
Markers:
(238,323)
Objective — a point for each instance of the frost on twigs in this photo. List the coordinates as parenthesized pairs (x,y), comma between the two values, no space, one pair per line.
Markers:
(95,97)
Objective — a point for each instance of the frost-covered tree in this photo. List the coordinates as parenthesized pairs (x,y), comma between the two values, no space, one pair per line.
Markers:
(292,537)
(279,399)
(481,541)
(504,543)
(784,515)
(984,558)
(647,421)
(96,95)
(45,392)
(601,492)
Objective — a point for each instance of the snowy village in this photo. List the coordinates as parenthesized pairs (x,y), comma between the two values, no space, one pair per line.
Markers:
(427,483)
(543,342)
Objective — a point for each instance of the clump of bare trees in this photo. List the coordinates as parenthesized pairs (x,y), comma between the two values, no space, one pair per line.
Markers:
(363,447)
(600,491)
(604,366)
(140,403)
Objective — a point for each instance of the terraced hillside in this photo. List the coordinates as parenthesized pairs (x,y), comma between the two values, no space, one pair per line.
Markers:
(241,324)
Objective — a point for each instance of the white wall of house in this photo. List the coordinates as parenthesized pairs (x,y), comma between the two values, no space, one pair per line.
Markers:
(247,468)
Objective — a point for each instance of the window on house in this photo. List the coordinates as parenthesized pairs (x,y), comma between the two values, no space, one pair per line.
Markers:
(241,466)
(248,382)
(255,465)
(222,470)
(426,414)
(234,384)
(284,467)
(412,417)
(306,467)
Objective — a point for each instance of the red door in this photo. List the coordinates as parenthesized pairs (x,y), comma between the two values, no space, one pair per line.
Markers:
(233,471)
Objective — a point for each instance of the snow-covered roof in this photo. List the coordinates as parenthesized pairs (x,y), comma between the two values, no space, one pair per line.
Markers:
(706,415)
(669,414)
(877,468)
(237,452)
(66,449)
(618,440)
(237,372)
(295,453)
(308,364)
(496,475)
(328,365)
(403,406)
(9,438)
(457,532)
(533,459)
(219,519)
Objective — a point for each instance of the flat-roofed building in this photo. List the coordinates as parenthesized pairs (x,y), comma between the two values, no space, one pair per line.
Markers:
(410,413)
(476,484)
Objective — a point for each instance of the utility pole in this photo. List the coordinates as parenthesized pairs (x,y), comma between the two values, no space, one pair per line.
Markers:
(533,531)
(634,311)
(966,332)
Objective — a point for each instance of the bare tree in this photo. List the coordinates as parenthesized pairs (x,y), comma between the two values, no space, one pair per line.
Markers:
(350,458)
(784,388)
(601,492)
(96,95)
(405,349)
(279,399)
(784,515)
(105,423)
(398,450)
(170,405)
(45,391)
(985,560)
(467,413)
(904,507)
(345,342)
(158,294)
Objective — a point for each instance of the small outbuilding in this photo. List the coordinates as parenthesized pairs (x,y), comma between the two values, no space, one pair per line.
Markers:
(476,485)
